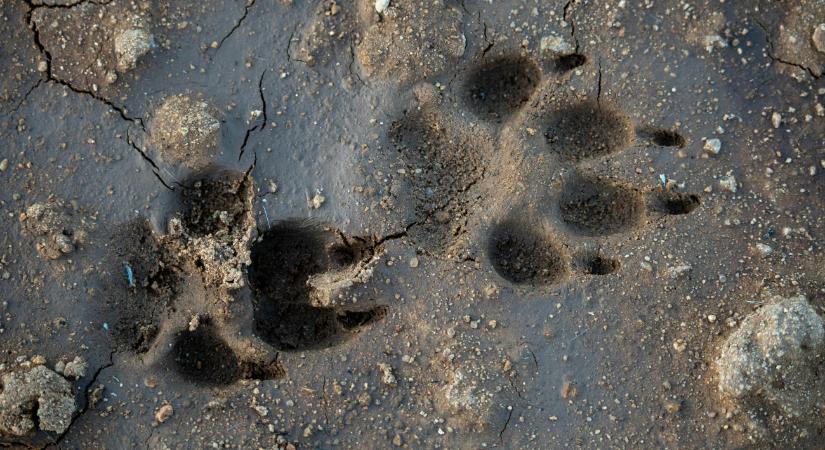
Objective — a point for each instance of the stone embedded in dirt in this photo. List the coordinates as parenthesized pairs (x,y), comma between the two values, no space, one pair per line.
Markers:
(130,45)
(818,37)
(164,413)
(57,230)
(713,146)
(75,368)
(35,398)
(185,130)
(728,183)
(555,44)
(773,359)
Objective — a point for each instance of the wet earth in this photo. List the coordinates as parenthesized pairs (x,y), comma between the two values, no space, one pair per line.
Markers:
(400,224)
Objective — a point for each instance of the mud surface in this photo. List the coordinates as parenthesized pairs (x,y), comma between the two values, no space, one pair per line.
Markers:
(278,224)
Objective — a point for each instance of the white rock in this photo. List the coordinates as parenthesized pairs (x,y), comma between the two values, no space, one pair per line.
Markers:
(713,146)
(764,249)
(555,44)
(728,183)
(776,119)
(381,5)
(819,37)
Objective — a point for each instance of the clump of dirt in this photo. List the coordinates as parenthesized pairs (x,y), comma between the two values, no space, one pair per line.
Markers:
(442,168)
(410,41)
(146,285)
(675,203)
(91,42)
(131,42)
(55,227)
(523,253)
(186,130)
(594,206)
(497,88)
(323,36)
(35,398)
(774,361)
(587,130)
(216,226)
(289,262)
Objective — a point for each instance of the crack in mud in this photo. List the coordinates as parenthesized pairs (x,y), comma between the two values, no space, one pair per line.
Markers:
(258,126)
(86,398)
(26,96)
(770,52)
(247,6)
(52,78)
(155,167)
(501,433)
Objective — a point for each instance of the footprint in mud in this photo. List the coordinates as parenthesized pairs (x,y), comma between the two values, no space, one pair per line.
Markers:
(460,171)
(173,302)
(296,267)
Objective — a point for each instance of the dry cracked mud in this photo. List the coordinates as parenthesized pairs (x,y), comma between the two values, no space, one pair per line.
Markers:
(400,224)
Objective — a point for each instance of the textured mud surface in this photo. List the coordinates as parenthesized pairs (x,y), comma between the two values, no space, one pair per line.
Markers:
(378,224)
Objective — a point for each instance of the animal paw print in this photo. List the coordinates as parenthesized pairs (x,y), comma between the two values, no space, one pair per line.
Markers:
(473,159)
(214,300)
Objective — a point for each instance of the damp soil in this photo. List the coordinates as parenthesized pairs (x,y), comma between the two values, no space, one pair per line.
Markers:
(277,224)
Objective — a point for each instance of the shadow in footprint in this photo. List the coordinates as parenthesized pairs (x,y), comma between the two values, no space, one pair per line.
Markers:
(523,254)
(674,203)
(202,357)
(593,206)
(587,130)
(498,88)
(566,63)
(284,260)
(662,137)
(592,263)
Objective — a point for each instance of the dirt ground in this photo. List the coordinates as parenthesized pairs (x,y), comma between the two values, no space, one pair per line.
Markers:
(412,224)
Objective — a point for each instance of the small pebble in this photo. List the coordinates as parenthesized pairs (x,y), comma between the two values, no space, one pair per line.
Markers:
(4,164)
(764,249)
(164,413)
(776,119)
(713,146)
(414,262)
(728,183)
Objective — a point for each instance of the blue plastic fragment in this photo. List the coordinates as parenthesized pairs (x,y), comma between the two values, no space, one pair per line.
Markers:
(663,179)
(130,275)
(105,326)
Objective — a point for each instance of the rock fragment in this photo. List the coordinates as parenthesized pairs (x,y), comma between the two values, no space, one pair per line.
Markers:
(130,45)
(771,360)
(32,399)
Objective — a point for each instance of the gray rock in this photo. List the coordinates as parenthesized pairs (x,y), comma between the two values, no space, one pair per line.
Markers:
(771,359)
(35,396)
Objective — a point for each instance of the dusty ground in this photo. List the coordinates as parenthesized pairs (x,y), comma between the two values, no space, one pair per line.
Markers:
(437,224)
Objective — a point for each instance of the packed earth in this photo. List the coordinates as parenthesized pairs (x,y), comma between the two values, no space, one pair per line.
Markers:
(455,224)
